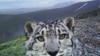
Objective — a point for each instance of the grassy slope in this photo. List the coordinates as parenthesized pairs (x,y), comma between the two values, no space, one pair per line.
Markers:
(13,48)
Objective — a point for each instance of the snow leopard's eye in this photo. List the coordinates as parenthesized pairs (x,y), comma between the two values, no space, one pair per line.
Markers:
(40,38)
(63,36)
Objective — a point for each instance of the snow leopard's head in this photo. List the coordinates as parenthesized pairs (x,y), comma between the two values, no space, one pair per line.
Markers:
(49,39)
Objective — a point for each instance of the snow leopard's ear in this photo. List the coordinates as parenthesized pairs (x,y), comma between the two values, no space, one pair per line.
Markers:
(69,22)
(29,28)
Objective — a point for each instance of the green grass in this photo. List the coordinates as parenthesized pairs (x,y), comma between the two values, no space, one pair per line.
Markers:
(13,48)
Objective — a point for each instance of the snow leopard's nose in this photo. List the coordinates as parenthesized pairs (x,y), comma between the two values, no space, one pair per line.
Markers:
(53,53)
(52,47)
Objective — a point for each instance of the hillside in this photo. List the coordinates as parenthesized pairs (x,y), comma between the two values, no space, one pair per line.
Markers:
(13,48)
(12,25)
(86,29)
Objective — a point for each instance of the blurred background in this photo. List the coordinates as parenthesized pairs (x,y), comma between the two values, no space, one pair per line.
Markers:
(14,13)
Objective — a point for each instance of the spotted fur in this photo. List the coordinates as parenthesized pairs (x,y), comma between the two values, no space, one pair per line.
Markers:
(49,39)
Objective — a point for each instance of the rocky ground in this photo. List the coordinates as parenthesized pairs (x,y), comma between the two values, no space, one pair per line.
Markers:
(88,30)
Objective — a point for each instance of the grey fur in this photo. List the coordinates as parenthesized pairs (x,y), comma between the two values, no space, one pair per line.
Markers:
(45,38)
